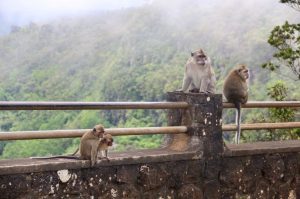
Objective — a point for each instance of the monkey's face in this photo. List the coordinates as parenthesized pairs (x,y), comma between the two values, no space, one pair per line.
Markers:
(107,139)
(98,131)
(243,72)
(199,57)
(109,142)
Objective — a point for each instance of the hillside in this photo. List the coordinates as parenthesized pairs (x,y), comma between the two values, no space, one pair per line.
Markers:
(134,54)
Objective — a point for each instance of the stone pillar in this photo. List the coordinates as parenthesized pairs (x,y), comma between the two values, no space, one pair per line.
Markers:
(204,121)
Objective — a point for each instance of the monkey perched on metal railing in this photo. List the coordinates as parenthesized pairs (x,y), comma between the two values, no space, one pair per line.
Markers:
(235,90)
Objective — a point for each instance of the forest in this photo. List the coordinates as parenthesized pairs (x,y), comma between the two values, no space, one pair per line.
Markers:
(137,54)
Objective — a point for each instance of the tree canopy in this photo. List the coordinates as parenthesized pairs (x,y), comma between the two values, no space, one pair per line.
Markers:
(133,54)
(286,40)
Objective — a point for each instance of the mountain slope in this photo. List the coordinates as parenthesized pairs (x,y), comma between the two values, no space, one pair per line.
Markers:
(135,54)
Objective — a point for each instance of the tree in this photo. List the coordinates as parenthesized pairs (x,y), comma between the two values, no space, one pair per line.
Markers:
(277,91)
(286,40)
(293,3)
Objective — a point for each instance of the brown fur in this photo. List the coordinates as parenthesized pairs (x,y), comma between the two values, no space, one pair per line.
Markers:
(235,87)
(89,144)
(199,75)
(235,90)
(88,149)
(104,143)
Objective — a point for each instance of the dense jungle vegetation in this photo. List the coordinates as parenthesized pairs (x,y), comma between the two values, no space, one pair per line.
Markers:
(135,54)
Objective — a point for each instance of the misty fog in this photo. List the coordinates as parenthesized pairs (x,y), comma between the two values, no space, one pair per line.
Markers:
(129,51)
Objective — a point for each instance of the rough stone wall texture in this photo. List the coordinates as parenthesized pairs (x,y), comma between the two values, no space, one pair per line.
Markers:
(180,179)
(204,119)
(260,176)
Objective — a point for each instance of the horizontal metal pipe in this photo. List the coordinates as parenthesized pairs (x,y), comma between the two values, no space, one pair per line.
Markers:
(265,104)
(260,126)
(21,105)
(28,135)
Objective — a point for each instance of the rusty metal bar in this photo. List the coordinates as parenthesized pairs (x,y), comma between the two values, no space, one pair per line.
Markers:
(260,126)
(28,135)
(19,105)
(265,104)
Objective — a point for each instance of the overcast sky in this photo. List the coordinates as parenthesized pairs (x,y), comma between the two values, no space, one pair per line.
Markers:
(19,12)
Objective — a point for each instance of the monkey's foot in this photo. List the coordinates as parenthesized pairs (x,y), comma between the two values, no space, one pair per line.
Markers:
(108,160)
(194,90)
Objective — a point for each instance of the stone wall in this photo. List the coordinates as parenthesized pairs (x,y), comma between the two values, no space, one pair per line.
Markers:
(180,179)
(259,176)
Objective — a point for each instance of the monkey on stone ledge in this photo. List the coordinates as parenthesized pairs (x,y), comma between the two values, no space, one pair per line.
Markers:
(91,143)
(199,75)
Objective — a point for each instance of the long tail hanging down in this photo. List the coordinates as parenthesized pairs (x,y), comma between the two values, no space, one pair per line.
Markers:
(238,122)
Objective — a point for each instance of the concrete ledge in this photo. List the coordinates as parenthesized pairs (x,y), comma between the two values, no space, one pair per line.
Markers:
(27,165)
(256,148)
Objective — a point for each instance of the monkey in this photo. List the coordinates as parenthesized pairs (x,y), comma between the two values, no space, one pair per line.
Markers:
(88,148)
(89,142)
(103,145)
(199,75)
(235,90)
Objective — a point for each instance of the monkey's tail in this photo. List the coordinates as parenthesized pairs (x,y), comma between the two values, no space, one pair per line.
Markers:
(71,156)
(75,151)
(238,123)
(57,156)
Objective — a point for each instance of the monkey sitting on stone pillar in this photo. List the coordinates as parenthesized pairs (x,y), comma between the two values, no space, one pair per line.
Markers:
(199,75)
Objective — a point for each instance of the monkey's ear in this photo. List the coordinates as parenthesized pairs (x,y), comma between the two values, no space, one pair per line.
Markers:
(192,54)
(94,129)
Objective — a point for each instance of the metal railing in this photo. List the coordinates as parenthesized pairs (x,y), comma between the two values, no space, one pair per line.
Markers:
(261,126)
(90,105)
(266,104)
(23,135)
(50,134)
(28,135)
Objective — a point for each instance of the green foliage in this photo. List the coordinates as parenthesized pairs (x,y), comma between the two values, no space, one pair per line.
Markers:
(278,92)
(29,148)
(138,56)
(293,3)
(138,142)
(286,40)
